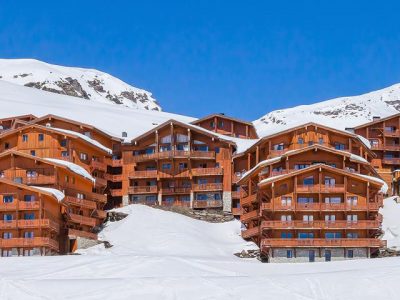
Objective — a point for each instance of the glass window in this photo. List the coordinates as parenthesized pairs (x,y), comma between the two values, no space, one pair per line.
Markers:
(308,180)
(350,253)
(305,200)
(339,146)
(352,235)
(64,153)
(306,235)
(28,234)
(220,124)
(286,235)
(24,137)
(148,151)
(289,253)
(33,152)
(29,198)
(182,147)
(6,145)
(185,198)
(7,217)
(64,143)
(151,198)
(300,141)
(166,166)
(321,141)
(7,235)
(217,150)
(202,181)
(183,166)
(41,137)
(8,199)
(83,156)
(333,235)
(29,216)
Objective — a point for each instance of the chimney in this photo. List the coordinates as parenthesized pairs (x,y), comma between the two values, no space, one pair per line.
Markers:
(124,134)
(375,118)
(349,129)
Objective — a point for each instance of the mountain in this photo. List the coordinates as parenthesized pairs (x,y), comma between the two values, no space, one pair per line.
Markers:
(337,113)
(88,84)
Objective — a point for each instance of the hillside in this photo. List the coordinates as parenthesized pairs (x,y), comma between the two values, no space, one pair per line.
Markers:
(87,84)
(337,113)
(159,255)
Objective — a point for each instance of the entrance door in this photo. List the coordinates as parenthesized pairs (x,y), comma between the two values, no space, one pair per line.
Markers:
(328,255)
(311,256)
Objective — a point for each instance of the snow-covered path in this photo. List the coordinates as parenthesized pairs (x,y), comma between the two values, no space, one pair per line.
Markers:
(161,255)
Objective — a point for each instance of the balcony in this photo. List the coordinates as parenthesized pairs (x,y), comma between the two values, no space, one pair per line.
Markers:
(362,242)
(307,206)
(37,180)
(207,187)
(73,234)
(336,188)
(248,216)
(97,197)
(29,243)
(333,206)
(236,194)
(98,165)
(143,189)
(202,154)
(143,174)
(100,181)
(28,205)
(207,203)
(171,154)
(82,219)
(278,206)
(248,200)
(321,224)
(392,133)
(116,192)
(80,202)
(237,211)
(113,177)
(176,190)
(114,162)
(207,171)
(255,231)
(176,203)
(391,161)
(39,223)
(8,206)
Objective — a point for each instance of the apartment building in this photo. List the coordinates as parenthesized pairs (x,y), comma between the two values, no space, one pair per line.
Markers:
(384,136)
(310,194)
(178,164)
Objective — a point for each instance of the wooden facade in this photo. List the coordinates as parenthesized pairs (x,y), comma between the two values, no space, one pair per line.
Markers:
(226,125)
(178,164)
(384,137)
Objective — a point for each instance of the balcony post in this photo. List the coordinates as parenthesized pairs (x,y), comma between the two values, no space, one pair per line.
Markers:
(191,198)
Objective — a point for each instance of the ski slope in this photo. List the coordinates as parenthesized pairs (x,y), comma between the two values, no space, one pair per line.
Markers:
(162,255)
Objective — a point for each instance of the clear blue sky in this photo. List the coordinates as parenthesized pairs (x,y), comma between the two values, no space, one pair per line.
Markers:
(244,58)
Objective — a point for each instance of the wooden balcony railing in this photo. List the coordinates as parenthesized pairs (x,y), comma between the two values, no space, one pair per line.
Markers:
(236,194)
(80,202)
(176,190)
(114,162)
(207,203)
(207,171)
(278,206)
(73,234)
(171,154)
(250,232)
(247,216)
(362,242)
(29,242)
(113,177)
(202,154)
(143,189)
(207,187)
(98,165)
(248,200)
(97,197)
(321,224)
(391,161)
(333,206)
(143,174)
(82,219)
(236,176)
(38,180)
(116,192)
(39,223)
(176,203)
(237,211)
(100,181)
(392,133)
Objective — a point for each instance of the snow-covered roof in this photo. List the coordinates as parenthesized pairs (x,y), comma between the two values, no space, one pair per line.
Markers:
(261,164)
(56,193)
(384,187)
(73,167)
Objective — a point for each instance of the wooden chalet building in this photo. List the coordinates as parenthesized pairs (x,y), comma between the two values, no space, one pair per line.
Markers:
(222,124)
(178,164)
(310,194)
(384,137)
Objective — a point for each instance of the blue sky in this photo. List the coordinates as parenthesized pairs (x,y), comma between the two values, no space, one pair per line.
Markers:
(244,58)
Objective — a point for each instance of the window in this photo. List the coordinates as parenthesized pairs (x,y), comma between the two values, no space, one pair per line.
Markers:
(185,198)
(329,181)
(308,180)
(321,141)
(308,218)
(286,201)
(352,200)
(301,166)
(289,253)
(352,235)
(80,196)
(328,255)
(333,235)
(64,153)
(390,128)
(339,146)
(305,200)
(203,148)
(150,168)
(202,181)
(151,198)
(169,199)
(41,137)
(29,198)
(278,146)
(310,143)
(31,173)
(212,124)
(29,216)
(286,218)
(24,137)
(306,235)
(7,235)
(300,141)
(33,152)
(148,151)
(165,148)
(330,218)
(8,199)
(166,166)
(333,200)
(350,253)
(64,143)
(28,234)
(8,218)
(220,124)
(182,147)
(83,156)
(217,150)
(6,145)
(286,235)
(166,139)
(87,133)
(352,218)
(181,138)
(311,255)
(66,178)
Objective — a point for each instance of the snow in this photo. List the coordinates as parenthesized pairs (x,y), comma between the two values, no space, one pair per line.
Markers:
(365,141)
(115,119)
(272,178)
(384,187)
(48,74)
(358,158)
(161,255)
(391,222)
(261,164)
(56,193)
(73,167)
(339,113)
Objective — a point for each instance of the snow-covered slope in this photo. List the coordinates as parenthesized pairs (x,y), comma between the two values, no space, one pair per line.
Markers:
(158,255)
(337,113)
(391,222)
(149,231)
(115,119)
(87,84)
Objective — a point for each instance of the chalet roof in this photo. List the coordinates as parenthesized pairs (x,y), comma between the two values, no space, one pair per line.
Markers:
(30,116)
(189,126)
(223,117)
(71,167)
(346,133)
(45,191)
(377,121)
(51,116)
(377,181)
(267,162)
(69,133)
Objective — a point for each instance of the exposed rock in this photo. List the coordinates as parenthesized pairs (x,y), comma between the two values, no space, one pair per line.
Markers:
(96,85)
(210,215)
(248,254)
(113,216)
